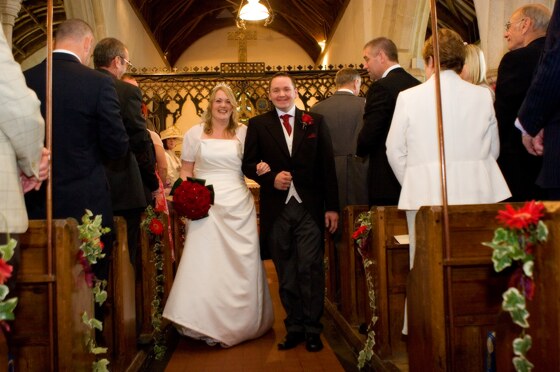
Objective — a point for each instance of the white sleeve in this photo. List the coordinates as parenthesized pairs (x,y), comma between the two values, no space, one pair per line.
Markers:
(191,143)
(396,140)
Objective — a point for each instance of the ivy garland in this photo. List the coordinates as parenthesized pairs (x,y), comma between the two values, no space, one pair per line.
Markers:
(6,306)
(153,225)
(514,244)
(91,250)
(361,237)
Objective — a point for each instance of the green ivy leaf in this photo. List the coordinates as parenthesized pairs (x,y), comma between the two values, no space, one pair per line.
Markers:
(522,345)
(542,232)
(528,268)
(99,350)
(514,303)
(4,290)
(7,250)
(100,366)
(7,308)
(521,364)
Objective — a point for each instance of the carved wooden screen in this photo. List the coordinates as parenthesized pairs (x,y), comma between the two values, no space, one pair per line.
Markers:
(166,94)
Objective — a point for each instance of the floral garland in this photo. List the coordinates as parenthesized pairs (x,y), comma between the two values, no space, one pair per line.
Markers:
(361,237)
(91,250)
(6,306)
(514,244)
(153,225)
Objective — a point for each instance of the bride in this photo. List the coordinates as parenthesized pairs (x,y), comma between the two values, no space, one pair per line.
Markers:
(220,293)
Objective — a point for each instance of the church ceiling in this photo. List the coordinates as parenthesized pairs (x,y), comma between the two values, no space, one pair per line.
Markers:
(176,25)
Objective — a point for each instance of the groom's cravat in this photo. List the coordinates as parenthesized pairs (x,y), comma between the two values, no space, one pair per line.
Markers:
(286,122)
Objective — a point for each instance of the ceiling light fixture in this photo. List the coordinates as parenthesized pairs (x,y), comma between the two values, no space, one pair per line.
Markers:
(253,10)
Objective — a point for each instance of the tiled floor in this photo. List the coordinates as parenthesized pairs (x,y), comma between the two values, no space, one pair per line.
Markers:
(256,355)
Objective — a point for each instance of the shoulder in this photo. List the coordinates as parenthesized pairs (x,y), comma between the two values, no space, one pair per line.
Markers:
(241,132)
(194,133)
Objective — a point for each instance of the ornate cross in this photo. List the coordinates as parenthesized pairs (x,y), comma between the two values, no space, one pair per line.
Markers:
(242,36)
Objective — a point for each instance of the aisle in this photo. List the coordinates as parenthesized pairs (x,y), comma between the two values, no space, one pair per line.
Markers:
(257,355)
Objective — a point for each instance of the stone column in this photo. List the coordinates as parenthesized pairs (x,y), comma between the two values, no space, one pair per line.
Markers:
(9,10)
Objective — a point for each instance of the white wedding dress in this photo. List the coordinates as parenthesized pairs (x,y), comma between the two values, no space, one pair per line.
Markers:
(220,293)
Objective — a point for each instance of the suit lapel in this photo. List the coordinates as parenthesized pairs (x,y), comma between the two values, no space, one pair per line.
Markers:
(274,126)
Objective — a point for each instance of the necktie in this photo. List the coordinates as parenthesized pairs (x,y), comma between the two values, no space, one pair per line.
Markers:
(286,123)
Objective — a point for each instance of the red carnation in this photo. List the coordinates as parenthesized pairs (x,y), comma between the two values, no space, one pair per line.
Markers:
(5,271)
(521,218)
(359,231)
(306,120)
(156,227)
(192,200)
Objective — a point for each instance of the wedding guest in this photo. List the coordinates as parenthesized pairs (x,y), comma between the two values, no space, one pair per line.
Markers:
(389,78)
(525,35)
(23,160)
(22,132)
(128,174)
(539,115)
(470,133)
(299,200)
(474,69)
(220,293)
(170,136)
(87,127)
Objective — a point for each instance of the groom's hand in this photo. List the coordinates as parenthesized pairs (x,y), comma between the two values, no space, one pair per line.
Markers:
(282,180)
(331,221)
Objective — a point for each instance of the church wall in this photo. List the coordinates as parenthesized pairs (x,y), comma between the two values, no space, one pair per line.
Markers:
(121,22)
(270,47)
(402,21)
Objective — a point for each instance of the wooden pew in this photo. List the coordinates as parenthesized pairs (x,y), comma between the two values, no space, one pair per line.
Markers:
(48,333)
(391,272)
(119,325)
(346,280)
(455,298)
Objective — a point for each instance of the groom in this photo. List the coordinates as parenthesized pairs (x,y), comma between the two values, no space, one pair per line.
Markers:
(299,199)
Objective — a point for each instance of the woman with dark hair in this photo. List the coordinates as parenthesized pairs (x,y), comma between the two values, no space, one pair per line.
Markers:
(170,138)
(220,293)
(470,134)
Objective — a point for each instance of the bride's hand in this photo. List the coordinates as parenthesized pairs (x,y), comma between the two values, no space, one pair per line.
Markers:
(262,168)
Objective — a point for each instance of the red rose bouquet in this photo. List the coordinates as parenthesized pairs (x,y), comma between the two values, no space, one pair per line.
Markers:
(192,198)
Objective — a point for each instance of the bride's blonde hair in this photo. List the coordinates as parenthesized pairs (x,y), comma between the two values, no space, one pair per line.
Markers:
(233,119)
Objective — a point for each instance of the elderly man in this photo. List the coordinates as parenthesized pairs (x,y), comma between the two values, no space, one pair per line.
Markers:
(539,115)
(382,63)
(525,36)
(126,174)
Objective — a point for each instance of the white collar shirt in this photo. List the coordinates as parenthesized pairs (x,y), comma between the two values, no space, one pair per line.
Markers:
(289,141)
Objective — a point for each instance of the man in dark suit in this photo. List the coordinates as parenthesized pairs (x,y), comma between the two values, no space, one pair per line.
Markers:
(86,127)
(525,35)
(125,174)
(539,115)
(382,63)
(299,198)
(343,114)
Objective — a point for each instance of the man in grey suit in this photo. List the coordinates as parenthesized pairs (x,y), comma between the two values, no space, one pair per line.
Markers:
(343,113)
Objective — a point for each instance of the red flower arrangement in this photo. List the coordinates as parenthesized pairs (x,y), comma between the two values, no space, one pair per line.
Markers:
(522,218)
(5,271)
(192,198)
(306,120)
(156,227)
(514,245)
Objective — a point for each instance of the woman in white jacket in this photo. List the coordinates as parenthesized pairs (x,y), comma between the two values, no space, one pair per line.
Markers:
(470,134)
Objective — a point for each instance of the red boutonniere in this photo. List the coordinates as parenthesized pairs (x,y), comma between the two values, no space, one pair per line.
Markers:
(306,120)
